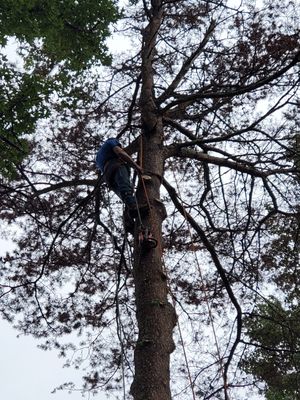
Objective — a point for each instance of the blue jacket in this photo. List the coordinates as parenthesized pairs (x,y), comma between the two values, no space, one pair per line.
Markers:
(106,153)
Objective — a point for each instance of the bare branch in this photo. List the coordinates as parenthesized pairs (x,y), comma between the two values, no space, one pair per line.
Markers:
(187,64)
(65,184)
(210,248)
(233,91)
(179,150)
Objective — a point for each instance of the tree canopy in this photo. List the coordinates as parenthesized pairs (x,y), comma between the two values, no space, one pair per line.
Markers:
(275,333)
(206,97)
(55,40)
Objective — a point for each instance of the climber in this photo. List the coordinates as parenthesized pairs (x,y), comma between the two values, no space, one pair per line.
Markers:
(114,163)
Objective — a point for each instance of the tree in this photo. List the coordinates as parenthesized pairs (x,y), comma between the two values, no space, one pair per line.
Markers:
(207,97)
(273,327)
(56,39)
(275,332)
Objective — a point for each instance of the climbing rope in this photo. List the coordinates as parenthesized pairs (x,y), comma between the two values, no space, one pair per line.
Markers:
(220,360)
(186,361)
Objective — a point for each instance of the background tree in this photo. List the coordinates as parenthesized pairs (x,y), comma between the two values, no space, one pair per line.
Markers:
(56,40)
(207,95)
(275,333)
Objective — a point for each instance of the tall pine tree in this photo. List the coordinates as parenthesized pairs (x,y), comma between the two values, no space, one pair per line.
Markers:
(206,98)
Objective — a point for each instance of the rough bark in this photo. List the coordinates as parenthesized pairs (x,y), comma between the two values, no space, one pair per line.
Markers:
(155,315)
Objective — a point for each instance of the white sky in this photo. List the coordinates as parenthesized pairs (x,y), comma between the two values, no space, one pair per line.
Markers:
(29,373)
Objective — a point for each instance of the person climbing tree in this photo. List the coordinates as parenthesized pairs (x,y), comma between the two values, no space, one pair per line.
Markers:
(113,161)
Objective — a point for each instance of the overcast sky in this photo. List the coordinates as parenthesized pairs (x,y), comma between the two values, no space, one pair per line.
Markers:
(29,373)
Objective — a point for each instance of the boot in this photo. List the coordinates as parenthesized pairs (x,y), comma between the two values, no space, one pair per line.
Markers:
(128,221)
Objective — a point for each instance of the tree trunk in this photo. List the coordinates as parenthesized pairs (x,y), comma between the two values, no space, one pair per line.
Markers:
(155,315)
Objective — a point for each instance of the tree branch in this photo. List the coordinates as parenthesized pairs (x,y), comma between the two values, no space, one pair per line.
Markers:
(233,91)
(174,124)
(187,64)
(179,150)
(65,184)
(131,107)
(210,248)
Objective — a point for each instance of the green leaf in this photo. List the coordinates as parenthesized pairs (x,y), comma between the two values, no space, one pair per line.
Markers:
(275,333)
(69,35)
(70,31)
